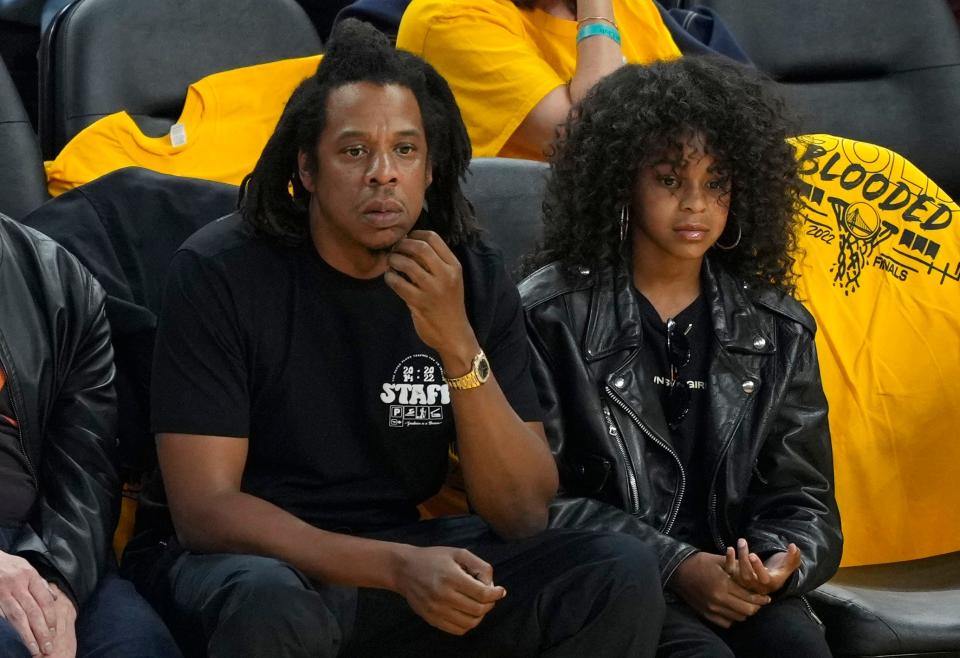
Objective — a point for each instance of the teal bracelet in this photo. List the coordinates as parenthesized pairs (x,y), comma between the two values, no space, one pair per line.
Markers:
(598,30)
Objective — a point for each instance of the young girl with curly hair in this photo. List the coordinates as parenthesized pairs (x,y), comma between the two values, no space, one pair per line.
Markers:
(678,375)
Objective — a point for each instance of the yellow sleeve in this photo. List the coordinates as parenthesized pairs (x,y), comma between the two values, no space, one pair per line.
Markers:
(92,152)
(493,67)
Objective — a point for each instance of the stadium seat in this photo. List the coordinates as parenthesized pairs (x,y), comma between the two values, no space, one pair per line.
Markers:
(22,182)
(102,56)
(507,195)
(881,71)
(903,609)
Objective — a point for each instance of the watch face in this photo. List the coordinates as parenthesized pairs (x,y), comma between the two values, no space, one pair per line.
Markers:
(483,369)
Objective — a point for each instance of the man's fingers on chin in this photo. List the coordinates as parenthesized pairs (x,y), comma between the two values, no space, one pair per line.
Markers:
(421,234)
(416,251)
(406,266)
(439,246)
(398,284)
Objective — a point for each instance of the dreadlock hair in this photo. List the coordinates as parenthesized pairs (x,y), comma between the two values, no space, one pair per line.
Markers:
(273,201)
(641,115)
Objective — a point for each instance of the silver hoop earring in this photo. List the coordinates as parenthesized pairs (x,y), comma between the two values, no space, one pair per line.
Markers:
(624,221)
(735,242)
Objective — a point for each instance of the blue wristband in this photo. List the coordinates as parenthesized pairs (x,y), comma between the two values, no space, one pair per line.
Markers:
(598,30)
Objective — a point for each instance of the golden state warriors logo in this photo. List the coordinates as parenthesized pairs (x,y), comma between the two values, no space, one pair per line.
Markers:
(416,393)
(861,230)
(875,208)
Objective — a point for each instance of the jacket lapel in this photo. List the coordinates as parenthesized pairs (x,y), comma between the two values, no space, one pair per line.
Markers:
(614,327)
(743,342)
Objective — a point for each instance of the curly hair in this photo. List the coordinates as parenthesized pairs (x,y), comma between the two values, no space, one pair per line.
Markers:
(273,201)
(639,115)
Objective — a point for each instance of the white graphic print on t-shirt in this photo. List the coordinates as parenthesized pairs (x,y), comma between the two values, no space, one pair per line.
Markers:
(417,392)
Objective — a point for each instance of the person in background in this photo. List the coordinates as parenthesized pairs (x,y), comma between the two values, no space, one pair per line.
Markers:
(516,68)
(59,489)
(677,372)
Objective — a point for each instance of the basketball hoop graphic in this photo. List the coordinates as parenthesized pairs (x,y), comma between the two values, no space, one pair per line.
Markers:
(861,230)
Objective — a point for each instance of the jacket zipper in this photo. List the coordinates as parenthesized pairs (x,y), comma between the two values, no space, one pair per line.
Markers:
(810,609)
(631,471)
(683,476)
(722,545)
(20,418)
(23,448)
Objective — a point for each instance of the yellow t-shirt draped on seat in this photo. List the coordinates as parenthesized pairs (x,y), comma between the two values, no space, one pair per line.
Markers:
(227,117)
(501,61)
(881,275)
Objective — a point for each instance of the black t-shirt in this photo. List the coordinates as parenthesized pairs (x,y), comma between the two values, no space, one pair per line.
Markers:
(17,489)
(347,414)
(687,437)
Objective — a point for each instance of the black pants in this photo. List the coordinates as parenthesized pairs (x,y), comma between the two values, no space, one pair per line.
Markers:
(569,593)
(784,629)
(114,622)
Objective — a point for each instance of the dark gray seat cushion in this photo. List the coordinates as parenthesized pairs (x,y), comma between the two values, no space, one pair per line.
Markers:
(881,71)
(900,609)
(507,196)
(23,184)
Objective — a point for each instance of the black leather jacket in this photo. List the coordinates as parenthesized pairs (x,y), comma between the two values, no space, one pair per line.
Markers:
(55,349)
(769,450)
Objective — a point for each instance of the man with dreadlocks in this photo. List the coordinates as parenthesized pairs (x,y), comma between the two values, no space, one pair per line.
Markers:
(317,354)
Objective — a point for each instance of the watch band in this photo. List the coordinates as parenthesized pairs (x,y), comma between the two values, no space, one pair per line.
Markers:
(478,374)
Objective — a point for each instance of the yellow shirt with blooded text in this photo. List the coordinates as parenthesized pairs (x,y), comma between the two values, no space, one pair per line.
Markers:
(228,118)
(501,61)
(881,275)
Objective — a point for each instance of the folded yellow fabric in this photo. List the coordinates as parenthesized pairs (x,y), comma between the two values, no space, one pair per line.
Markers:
(226,120)
(881,274)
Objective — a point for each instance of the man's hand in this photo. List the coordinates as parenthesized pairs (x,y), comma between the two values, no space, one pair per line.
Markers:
(428,277)
(65,642)
(27,603)
(450,588)
(747,570)
(707,588)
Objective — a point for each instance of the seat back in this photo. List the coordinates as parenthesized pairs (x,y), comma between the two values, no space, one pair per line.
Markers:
(507,196)
(22,182)
(881,71)
(99,57)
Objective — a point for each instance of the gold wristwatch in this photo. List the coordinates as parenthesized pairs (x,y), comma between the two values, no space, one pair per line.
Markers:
(479,373)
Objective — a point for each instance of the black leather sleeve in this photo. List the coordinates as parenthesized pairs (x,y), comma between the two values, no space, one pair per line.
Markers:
(791,496)
(591,514)
(71,529)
